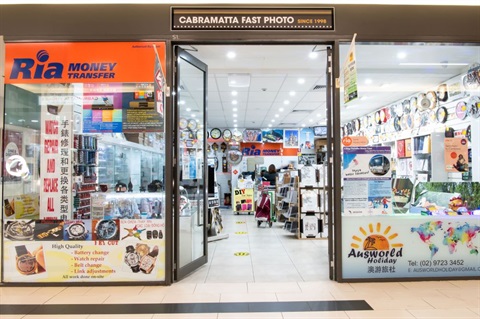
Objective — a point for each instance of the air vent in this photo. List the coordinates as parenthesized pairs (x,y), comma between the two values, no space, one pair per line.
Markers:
(319,87)
(287,124)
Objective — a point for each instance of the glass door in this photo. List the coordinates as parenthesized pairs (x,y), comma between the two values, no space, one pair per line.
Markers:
(190,244)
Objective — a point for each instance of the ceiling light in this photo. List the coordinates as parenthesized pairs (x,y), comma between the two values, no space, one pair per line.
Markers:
(235,125)
(234,115)
(188,109)
(182,102)
(401,55)
(303,125)
(286,102)
(192,115)
(281,109)
(273,120)
(239,80)
(318,114)
(234,120)
(292,93)
(368,81)
(234,93)
(234,109)
(234,102)
(269,125)
(301,81)
(231,55)
(276,115)
(434,64)
(313,55)
(310,120)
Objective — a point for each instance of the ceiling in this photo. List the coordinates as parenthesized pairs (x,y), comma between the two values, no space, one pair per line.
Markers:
(274,71)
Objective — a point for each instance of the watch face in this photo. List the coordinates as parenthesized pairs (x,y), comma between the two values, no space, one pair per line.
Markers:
(142,249)
(215,133)
(132,259)
(26,264)
(106,229)
(227,135)
(76,230)
(19,230)
(182,123)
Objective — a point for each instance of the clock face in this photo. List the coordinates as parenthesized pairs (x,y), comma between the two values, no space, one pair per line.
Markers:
(182,123)
(192,124)
(215,133)
(227,135)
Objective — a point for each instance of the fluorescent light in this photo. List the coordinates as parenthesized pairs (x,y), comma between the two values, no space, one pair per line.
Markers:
(231,55)
(234,102)
(401,55)
(281,109)
(301,81)
(234,109)
(433,64)
(313,55)
(234,93)
(292,93)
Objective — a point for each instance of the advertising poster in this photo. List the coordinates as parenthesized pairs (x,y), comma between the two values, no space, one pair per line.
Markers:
(350,75)
(307,139)
(413,247)
(84,250)
(367,180)
(12,147)
(243,200)
(56,142)
(456,155)
(272,136)
(102,108)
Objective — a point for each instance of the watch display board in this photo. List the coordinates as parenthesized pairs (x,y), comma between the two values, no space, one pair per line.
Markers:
(106,250)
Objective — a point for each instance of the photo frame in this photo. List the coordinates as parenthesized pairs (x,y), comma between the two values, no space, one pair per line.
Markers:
(291,138)
(308,176)
(309,200)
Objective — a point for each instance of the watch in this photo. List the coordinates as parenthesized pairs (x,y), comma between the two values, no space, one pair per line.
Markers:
(215,133)
(77,231)
(182,123)
(192,124)
(26,263)
(142,249)
(147,263)
(106,229)
(19,230)
(132,258)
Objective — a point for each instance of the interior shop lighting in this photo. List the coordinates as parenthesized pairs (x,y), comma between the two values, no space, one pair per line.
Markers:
(231,55)
(234,109)
(313,55)
(235,115)
(301,81)
(286,102)
(292,93)
(401,55)
(234,93)
(234,102)
(281,109)
(239,80)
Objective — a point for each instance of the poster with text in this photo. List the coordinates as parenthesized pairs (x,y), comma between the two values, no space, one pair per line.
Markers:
(102,108)
(456,155)
(84,251)
(413,247)
(367,180)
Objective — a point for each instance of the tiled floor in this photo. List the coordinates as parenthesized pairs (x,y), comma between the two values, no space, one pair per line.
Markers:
(282,277)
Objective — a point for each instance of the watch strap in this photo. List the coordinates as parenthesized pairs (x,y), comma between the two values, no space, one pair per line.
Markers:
(21,250)
(136,268)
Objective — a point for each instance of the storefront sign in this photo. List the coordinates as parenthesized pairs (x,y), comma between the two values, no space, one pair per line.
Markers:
(413,247)
(81,62)
(367,180)
(84,251)
(55,165)
(267,149)
(252,19)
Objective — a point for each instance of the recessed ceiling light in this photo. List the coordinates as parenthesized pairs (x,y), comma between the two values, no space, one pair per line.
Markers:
(281,109)
(368,81)
(303,125)
(273,120)
(234,102)
(292,93)
(231,55)
(234,109)
(234,115)
(318,114)
(276,115)
(286,102)
(401,55)
(301,81)
(235,125)
(313,55)
(234,93)
(181,102)
(188,109)
(310,120)
(269,125)
(192,115)
(234,120)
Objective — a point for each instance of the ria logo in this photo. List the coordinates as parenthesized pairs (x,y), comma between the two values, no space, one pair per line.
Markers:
(30,69)
(376,246)
(25,66)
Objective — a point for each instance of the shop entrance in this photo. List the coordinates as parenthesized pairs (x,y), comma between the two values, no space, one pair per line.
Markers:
(264,105)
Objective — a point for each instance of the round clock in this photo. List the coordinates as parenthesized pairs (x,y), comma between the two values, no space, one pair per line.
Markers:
(461,110)
(442,114)
(474,107)
(182,123)
(406,106)
(199,135)
(468,133)
(227,135)
(432,97)
(237,135)
(192,124)
(215,133)
(413,103)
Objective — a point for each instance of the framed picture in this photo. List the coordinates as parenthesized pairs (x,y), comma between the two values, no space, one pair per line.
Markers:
(290,139)
(308,176)
(309,200)
(310,226)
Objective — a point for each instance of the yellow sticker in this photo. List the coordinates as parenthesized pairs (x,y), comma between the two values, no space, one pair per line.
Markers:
(241,232)
(240,222)
(242,253)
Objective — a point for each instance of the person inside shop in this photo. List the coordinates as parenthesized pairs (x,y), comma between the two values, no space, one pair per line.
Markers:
(271,174)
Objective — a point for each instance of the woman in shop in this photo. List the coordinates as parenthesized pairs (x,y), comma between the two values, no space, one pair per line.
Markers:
(271,174)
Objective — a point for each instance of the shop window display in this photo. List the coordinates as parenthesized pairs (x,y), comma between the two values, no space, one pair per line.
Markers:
(83,165)
(429,131)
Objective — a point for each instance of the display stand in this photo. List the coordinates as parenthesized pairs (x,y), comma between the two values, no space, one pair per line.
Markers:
(243,201)
(215,224)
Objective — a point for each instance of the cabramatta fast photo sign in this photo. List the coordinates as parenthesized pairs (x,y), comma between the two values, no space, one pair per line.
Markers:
(252,19)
